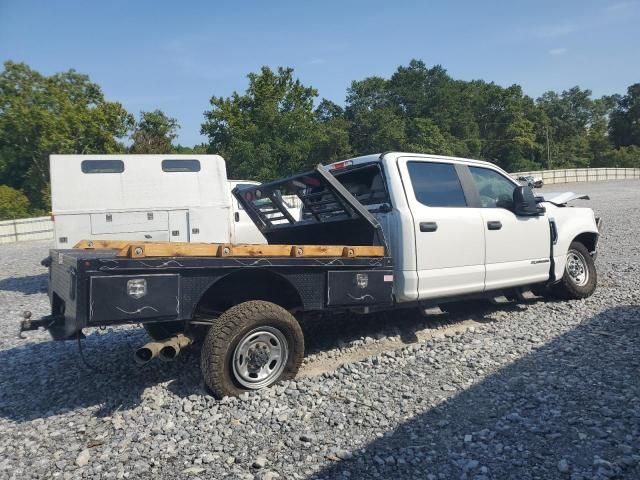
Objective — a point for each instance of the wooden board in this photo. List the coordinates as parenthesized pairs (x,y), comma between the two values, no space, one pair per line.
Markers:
(102,244)
(139,249)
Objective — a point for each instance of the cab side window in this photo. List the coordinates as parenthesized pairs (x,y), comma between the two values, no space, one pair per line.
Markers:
(496,191)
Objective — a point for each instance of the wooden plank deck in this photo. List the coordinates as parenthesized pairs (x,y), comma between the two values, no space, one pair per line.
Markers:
(140,249)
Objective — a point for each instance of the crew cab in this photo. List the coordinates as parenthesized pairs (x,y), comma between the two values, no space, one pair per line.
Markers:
(374,233)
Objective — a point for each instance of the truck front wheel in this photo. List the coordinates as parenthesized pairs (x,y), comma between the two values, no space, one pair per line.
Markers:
(251,346)
(580,277)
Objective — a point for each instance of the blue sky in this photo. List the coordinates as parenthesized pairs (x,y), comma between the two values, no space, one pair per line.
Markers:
(175,55)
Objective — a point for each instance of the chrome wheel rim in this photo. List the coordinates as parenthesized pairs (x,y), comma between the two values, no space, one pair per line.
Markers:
(577,268)
(260,357)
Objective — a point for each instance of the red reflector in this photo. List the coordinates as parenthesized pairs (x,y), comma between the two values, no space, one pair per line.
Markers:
(341,165)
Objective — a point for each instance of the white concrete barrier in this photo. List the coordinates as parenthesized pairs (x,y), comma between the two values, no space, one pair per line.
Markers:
(571,175)
(39,228)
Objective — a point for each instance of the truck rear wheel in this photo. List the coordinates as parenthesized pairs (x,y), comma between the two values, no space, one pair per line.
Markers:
(251,346)
(580,277)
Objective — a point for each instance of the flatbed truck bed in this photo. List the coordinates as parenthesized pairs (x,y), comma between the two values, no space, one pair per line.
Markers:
(92,287)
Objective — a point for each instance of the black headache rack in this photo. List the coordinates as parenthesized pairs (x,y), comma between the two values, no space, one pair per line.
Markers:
(310,208)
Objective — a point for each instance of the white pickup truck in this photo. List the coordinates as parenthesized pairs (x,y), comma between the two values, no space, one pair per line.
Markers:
(374,233)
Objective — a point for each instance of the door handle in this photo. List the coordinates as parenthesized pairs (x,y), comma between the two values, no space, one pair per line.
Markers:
(236,216)
(428,226)
(494,225)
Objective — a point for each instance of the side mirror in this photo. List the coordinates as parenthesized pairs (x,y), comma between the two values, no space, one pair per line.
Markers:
(524,202)
(504,201)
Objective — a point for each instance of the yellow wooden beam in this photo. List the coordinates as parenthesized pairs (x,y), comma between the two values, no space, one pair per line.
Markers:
(140,249)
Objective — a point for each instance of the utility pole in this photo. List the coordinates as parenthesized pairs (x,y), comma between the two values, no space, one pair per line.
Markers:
(546,129)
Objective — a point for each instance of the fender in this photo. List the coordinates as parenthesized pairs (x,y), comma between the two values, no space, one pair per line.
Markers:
(285,289)
(570,223)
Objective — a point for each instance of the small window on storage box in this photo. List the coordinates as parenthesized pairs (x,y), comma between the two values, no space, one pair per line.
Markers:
(181,165)
(102,166)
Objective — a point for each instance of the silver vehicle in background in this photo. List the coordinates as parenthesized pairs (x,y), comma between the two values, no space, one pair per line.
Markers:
(531,181)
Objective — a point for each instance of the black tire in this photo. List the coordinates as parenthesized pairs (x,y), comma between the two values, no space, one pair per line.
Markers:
(232,327)
(570,289)
(163,330)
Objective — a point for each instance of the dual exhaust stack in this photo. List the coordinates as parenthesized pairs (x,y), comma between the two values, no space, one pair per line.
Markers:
(166,350)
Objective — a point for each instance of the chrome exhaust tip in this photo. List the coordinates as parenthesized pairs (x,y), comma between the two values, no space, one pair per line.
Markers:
(147,352)
(172,347)
(168,353)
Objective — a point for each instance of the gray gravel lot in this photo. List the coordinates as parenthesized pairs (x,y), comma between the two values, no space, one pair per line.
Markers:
(537,390)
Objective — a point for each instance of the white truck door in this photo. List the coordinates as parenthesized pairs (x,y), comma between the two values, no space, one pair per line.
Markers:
(449,235)
(517,248)
(179,225)
(244,231)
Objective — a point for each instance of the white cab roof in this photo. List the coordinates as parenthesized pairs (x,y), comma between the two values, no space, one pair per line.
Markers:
(393,156)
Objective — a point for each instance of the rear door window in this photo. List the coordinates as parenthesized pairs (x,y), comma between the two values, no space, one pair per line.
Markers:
(436,184)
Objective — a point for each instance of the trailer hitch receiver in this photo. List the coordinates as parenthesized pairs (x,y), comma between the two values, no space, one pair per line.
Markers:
(28,324)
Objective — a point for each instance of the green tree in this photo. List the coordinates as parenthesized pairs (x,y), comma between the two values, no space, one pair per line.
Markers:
(13,203)
(154,133)
(331,142)
(507,122)
(421,92)
(625,119)
(199,149)
(392,115)
(575,124)
(41,115)
(272,129)
(425,110)
(424,136)
(598,136)
(376,122)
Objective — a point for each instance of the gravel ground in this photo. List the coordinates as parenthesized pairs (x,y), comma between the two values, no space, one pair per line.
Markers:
(533,390)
